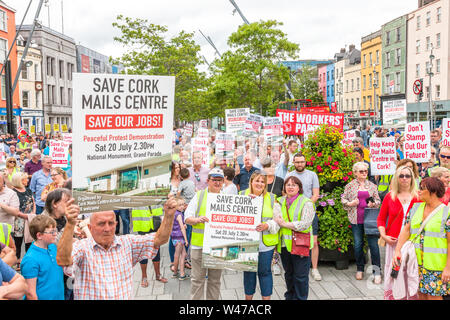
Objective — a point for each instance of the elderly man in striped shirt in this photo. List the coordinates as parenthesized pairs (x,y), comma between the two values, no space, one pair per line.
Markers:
(102,265)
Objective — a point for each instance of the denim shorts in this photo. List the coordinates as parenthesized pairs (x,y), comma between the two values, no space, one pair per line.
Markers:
(315,225)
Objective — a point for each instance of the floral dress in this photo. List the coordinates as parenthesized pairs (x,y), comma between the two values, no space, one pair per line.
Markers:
(26,206)
(431,281)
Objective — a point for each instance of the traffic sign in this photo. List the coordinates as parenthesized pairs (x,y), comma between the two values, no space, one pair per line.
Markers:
(417,87)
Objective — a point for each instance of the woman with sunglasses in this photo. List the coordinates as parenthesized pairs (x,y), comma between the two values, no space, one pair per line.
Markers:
(354,200)
(269,239)
(431,245)
(297,214)
(393,212)
(10,170)
(59,177)
(443,174)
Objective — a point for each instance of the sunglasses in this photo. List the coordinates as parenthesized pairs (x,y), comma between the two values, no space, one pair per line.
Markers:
(363,171)
(444,157)
(404,176)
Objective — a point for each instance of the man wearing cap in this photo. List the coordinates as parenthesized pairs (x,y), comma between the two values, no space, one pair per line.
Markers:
(195,215)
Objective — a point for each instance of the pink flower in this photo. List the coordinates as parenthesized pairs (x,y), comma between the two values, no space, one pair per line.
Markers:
(350,173)
(336,163)
(345,178)
(317,144)
(319,154)
(319,168)
(330,158)
(309,163)
(313,158)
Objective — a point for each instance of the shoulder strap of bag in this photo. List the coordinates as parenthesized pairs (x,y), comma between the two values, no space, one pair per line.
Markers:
(430,216)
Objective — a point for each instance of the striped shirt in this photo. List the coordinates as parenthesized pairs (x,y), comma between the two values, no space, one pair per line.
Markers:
(108,274)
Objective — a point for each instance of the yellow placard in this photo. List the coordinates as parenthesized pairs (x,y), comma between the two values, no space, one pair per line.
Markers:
(64,128)
(33,129)
(48,127)
(56,127)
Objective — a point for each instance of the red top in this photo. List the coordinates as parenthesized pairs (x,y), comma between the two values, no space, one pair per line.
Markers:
(392,211)
(446,198)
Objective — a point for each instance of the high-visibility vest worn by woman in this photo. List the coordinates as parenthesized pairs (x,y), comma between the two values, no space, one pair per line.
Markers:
(5,232)
(269,239)
(142,218)
(295,214)
(435,241)
(198,229)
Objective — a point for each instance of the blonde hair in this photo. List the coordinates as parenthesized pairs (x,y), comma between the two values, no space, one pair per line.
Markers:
(11,158)
(359,165)
(395,187)
(437,172)
(16,180)
(257,175)
(60,171)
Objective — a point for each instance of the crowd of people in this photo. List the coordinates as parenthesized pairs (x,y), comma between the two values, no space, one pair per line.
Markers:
(69,258)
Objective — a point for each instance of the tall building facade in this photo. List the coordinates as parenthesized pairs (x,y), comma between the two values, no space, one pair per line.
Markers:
(371,47)
(429,32)
(322,75)
(330,84)
(7,34)
(59,62)
(90,61)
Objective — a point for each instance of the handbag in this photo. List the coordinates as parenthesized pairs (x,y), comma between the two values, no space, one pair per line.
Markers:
(370,221)
(300,242)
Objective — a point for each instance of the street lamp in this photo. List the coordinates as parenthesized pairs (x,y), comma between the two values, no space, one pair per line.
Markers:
(430,74)
(375,100)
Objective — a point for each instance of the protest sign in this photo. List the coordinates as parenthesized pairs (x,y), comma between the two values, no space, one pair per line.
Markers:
(382,156)
(32,129)
(253,125)
(67,137)
(202,133)
(235,120)
(394,113)
(445,132)
(188,130)
(203,124)
(230,239)
(59,151)
(48,128)
(64,128)
(201,145)
(225,146)
(417,141)
(56,127)
(273,130)
(122,134)
(348,137)
(297,123)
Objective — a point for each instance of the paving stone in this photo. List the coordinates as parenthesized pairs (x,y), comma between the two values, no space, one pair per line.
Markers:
(333,290)
(319,291)
(232,281)
(228,294)
(349,289)
(164,297)
(327,275)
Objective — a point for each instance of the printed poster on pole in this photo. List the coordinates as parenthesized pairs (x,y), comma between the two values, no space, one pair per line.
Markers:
(122,138)
(235,120)
(225,147)
(417,143)
(273,131)
(394,113)
(253,125)
(59,151)
(230,239)
(382,156)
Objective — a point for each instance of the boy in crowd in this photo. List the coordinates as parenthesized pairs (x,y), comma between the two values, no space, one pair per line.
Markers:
(43,275)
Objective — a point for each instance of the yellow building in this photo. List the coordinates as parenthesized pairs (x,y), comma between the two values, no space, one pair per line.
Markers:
(370,75)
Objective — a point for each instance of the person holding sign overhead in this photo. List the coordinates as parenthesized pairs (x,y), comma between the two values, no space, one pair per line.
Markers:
(269,239)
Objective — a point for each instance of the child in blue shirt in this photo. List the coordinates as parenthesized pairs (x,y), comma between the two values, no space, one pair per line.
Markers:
(39,268)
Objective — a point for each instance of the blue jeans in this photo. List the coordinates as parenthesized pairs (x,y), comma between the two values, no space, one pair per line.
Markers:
(358,236)
(125,216)
(264,276)
(296,275)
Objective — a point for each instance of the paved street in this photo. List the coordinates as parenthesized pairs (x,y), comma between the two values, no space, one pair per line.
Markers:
(335,284)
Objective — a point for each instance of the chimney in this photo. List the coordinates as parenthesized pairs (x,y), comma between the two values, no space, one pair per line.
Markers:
(351,48)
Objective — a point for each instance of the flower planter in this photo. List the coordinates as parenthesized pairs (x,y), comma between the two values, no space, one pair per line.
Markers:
(341,259)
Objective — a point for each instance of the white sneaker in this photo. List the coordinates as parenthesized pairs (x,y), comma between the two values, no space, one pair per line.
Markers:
(276,269)
(316,275)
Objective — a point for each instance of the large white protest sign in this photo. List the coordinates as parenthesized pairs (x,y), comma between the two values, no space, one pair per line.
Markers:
(201,145)
(382,156)
(59,151)
(122,134)
(230,239)
(394,113)
(253,125)
(445,132)
(202,133)
(273,130)
(348,137)
(417,142)
(225,146)
(203,124)
(235,119)
(188,130)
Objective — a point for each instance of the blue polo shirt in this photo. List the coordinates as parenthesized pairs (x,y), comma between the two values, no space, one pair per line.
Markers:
(41,264)
(243,178)
(38,182)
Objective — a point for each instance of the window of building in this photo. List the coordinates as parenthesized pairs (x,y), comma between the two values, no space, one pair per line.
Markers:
(399,34)
(346,85)
(37,72)
(38,99)
(438,40)
(428,18)
(388,59)
(397,82)
(328,76)
(353,104)
(364,102)
(357,84)
(353,84)
(364,61)
(61,95)
(3,49)
(438,91)
(332,74)
(357,103)
(69,71)
(24,72)
(387,88)
(50,67)
(3,21)
(398,56)
(428,40)
(364,82)
(370,58)
(417,70)
(49,94)
(370,81)
(3,87)
(378,57)
(438,14)
(438,65)
(25,99)
(388,37)
(369,99)
(418,23)
(346,104)
(417,46)
(61,69)
(69,96)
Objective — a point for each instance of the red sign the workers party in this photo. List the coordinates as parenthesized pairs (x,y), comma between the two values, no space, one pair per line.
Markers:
(297,123)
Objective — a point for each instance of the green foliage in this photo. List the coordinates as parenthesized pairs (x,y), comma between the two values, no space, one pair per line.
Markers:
(148,52)
(334,226)
(250,75)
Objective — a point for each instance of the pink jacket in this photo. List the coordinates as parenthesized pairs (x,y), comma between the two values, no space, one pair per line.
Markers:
(408,275)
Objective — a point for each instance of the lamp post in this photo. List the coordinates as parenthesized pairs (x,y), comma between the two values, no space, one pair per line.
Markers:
(430,74)
(375,100)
